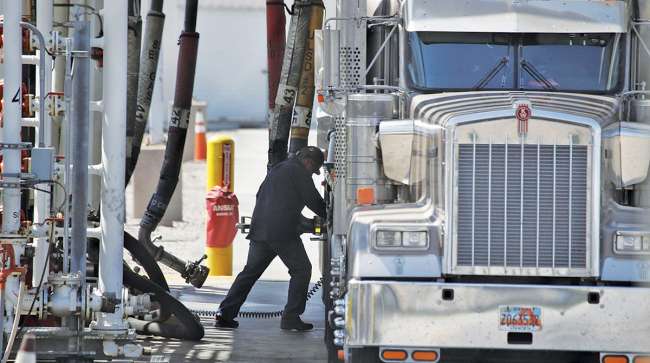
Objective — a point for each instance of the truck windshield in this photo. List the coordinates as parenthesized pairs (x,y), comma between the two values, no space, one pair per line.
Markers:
(555,62)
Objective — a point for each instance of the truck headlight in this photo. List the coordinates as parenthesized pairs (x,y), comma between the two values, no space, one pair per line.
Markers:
(406,239)
(415,239)
(389,239)
(632,243)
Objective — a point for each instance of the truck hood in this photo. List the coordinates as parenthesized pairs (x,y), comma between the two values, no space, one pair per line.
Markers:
(439,108)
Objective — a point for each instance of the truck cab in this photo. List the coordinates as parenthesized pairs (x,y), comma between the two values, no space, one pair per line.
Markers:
(487,180)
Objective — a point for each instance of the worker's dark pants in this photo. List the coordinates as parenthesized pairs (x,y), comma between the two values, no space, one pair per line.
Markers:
(260,255)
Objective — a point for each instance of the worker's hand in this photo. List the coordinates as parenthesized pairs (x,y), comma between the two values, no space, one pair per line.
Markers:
(305,225)
(311,226)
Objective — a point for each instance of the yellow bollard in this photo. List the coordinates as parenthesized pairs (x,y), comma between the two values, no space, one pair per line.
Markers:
(221,171)
(221,154)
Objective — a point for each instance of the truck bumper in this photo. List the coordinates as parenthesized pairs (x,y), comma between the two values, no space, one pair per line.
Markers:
(414,314)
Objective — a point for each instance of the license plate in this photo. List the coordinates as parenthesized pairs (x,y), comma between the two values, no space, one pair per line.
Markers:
(523,319)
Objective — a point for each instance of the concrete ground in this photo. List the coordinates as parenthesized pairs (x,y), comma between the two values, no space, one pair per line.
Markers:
(256,340)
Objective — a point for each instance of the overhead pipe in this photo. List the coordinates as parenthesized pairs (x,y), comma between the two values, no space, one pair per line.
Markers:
(149,58)
(276,41)
(113,161)
(294,54)
(193,272)
(133,70)
(302,112)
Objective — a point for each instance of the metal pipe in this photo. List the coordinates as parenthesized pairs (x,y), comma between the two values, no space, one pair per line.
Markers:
(275,36)
(60,17)
(96,106)
(12,112)
(16,321)
(113,160)
(66,132)
(149,58)
(302,112)
(280,118)
(41,78)
(133,70)
(42,205)
(80,133)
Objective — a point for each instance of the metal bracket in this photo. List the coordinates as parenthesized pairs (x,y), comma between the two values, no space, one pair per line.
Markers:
(16,146)
(80,54)
(8,185)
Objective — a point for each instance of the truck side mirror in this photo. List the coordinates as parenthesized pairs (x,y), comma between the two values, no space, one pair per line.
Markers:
(405,146)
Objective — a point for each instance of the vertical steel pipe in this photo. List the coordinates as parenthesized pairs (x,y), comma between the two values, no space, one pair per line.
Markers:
(80,134)
(280,118)
(95,152)
(302,112)
(149,58)
(12,112)
(42,205)
(113,160)
(276,41)
(133,66)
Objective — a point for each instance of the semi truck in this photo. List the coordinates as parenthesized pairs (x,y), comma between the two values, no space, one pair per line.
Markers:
(487,180)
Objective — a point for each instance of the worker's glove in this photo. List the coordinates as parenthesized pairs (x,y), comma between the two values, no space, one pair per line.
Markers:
(311,226)
(305,225)
(320,225)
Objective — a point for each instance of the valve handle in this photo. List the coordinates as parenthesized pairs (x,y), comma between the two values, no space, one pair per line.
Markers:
(244,226)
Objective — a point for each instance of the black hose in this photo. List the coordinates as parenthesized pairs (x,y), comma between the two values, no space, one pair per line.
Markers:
(150,55)
(157,5)
(294,55)
(145,259)
(191,10)
(182,325)
(151,267)
(133,71)
(171,168)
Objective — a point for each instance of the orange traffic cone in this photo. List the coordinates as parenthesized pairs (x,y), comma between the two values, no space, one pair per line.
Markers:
(200,143)
(27,352)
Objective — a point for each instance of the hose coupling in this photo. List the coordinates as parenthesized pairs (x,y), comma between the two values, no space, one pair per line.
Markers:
(109,303)
(195,273)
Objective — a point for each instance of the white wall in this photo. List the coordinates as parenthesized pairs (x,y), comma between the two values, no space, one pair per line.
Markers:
(231,70)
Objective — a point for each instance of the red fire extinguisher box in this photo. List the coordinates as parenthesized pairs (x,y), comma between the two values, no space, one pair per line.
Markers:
(223,214)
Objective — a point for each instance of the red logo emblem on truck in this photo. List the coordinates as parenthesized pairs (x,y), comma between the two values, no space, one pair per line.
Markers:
(523,114)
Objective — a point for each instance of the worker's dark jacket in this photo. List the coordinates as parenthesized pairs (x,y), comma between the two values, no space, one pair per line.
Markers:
(287,189)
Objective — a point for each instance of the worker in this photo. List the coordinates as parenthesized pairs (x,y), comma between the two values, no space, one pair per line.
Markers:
(285,192)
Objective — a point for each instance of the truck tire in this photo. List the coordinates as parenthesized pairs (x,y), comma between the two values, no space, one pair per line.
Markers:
(363,355)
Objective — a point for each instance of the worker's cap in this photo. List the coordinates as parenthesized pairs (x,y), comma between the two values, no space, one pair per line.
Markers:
(314,154)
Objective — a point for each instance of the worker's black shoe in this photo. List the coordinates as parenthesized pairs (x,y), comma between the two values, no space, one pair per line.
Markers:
(221,322)
(294,323)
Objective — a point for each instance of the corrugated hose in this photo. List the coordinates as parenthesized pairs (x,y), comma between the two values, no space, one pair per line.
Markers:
(258,314)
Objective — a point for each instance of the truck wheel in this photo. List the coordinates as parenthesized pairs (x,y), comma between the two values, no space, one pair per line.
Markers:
(363,355)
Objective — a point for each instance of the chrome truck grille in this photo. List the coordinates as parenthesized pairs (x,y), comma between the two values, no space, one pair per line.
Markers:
(522,208)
